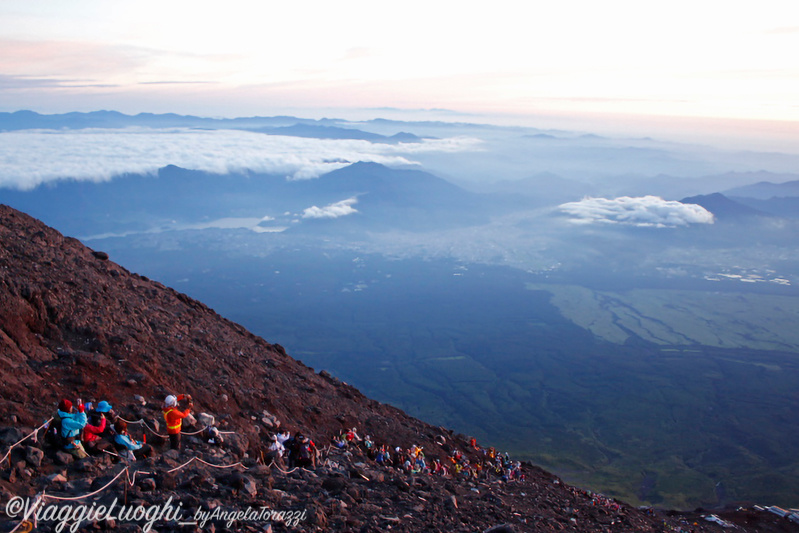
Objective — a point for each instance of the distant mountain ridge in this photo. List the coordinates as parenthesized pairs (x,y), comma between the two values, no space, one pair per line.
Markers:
(332,132)
(387,198)
(673,187)
(278,125)
(20,120)
(766,190)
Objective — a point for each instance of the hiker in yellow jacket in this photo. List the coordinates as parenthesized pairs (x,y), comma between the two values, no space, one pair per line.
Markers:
(174,417)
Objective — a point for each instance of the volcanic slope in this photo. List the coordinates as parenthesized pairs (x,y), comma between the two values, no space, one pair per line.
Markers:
(75,324)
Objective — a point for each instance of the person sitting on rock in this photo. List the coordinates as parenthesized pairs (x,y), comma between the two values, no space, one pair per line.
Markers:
(212,436)
(339,441)
(304,452)
(369,447)
(380,456)
(399,460)
(283,436)
(438,468)
(133,447)
(174,417)
(419,464)
(352,436)
(96,427)
(275,452)
(72,423)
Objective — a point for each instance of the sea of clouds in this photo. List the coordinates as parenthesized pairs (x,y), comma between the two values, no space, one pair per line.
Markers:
(32,157)
(643,211)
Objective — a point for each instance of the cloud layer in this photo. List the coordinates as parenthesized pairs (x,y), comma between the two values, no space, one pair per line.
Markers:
(645,211)
(336,210)
(30,158)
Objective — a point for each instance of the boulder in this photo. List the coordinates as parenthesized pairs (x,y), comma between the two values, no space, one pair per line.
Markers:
(317,517)
(63,458)
(56,479)
(334,485)
(237,444)
(147,484)
(504,528)
(205,419)
(10,435)
(34,456)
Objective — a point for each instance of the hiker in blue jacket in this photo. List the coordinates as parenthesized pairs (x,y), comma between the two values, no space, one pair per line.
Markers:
(72,423)
(123,439)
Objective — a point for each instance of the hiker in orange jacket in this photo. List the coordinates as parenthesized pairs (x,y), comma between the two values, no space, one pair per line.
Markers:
(174,417)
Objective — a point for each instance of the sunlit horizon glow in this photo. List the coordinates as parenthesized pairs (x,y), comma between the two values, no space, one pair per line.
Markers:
(619,60)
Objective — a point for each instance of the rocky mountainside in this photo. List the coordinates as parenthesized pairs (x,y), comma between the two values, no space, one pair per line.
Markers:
(73,324)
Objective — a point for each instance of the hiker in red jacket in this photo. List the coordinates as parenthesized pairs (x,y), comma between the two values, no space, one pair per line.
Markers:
(174,417)
(99,418)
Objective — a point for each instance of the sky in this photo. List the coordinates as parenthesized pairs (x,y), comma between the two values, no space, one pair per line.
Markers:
(532,62)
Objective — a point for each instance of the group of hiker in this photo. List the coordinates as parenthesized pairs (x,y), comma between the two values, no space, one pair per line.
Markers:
(412,460)
(88,429)
(298,451)
(91,429)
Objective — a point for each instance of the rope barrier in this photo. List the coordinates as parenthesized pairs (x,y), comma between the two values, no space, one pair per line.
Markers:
(154,432)
(273,463)
(195,432)
(92,493)
(132,480)
(204,462)
(284,471)
(26,437)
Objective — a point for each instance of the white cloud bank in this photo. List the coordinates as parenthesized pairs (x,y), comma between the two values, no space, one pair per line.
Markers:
(647,211)
(336,210)
(32,157)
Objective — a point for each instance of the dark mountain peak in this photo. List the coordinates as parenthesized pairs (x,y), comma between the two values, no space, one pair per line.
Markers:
(379,178)
(722,207)
(22,113)
(405,137)
(368,166)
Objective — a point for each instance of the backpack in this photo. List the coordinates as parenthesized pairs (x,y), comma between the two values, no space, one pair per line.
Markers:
(54,436)
(305,450)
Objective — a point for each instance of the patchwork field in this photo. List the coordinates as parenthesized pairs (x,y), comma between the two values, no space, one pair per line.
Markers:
(680,317)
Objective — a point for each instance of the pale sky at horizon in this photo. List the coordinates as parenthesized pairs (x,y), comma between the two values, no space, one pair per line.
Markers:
(716,59)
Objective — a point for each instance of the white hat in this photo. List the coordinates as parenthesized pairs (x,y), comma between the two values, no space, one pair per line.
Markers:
(171,401)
